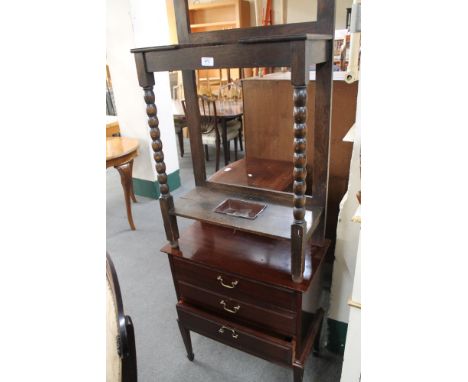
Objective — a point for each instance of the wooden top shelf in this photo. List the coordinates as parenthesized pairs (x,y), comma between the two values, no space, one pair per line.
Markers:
(274,221)
(245,254)
(245,53)
(254,172)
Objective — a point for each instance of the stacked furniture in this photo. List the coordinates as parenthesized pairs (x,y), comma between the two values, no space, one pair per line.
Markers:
(241,269)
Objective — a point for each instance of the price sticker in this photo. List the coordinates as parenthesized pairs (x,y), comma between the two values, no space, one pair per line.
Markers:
(207,61)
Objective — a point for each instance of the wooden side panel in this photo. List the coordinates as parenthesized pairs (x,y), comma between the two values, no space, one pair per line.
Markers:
(268,133)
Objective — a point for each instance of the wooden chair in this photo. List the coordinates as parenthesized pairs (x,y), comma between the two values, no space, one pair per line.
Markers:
(179,124)
(233,91)
(121,363)
(210,128)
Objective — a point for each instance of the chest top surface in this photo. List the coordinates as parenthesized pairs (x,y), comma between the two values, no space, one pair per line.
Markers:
(252,256)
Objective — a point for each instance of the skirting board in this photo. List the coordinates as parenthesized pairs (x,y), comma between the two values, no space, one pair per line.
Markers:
(336,336)
(150,189)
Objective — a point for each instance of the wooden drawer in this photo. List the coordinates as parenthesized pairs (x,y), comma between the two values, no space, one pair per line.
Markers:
(279,320)
(233,286)
(240,337)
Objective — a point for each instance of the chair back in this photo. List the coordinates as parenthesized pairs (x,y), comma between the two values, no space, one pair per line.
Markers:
(121,364)
(208,115)
(230,91)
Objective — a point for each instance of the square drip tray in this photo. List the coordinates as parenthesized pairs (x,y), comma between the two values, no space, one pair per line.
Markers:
(240,208)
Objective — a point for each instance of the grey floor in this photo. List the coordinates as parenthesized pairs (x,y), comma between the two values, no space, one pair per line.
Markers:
(149,298)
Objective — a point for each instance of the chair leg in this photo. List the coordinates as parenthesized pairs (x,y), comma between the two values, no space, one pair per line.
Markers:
(187,341)
(218,154)
(180,135)
(206,153)
(235,148)
(240,136)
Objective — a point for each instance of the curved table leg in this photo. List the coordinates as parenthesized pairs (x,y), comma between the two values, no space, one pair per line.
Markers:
(132,194)
(125,171)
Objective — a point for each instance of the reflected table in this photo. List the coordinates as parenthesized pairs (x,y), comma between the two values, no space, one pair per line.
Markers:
(226,110)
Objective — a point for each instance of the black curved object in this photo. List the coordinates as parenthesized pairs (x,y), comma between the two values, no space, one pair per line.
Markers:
(126,337)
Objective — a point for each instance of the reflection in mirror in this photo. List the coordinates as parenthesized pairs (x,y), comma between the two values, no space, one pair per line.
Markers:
(211,15)
(220,104)
(112,123)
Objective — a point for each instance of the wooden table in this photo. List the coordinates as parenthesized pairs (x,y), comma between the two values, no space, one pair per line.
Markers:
(120,153)
(225,111)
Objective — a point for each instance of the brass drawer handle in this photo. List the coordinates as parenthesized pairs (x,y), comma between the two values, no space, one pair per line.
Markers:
(233,284)
(234,333)
(234,310)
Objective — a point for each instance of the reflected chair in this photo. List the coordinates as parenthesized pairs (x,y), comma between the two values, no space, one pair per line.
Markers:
(233,91)
(210,127)
(121,363)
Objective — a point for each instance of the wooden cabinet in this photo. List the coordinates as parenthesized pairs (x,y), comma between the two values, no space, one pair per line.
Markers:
(228,292)
(240,279)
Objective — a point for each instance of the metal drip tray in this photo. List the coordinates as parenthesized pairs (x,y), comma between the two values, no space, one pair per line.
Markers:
(240,208)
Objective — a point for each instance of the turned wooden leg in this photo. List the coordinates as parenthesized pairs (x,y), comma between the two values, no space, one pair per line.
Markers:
(298,373)
(187,341)
(125,171)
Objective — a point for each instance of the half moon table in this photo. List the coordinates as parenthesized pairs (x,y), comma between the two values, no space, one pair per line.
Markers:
(120,152)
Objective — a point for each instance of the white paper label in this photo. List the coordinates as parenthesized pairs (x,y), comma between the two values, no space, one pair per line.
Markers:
(207,61)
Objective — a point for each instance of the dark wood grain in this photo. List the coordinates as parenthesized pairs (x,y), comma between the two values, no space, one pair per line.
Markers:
(238,310)
(265,54)
(255,172)
(193,123)
(274,221)
(250,256)
(323,98)
(267,128)
(248,263)
(299,225)
(233,285)
(271,348)
(166,201)
(323,25)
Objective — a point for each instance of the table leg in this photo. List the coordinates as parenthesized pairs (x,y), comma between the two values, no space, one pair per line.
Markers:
(225,141)
(125,171)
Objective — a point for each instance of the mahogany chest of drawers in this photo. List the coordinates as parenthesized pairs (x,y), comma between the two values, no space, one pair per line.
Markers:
(236,288)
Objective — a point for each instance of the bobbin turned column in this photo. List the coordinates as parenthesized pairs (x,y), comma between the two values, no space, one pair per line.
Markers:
(299,226)
(166,202)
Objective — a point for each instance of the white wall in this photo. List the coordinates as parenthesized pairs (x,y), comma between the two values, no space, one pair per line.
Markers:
(133,24)
(351,371)
(347,234)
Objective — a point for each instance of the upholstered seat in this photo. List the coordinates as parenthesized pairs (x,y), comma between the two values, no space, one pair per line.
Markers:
(113,361)
(233,128)
(211,128)
(121,364)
